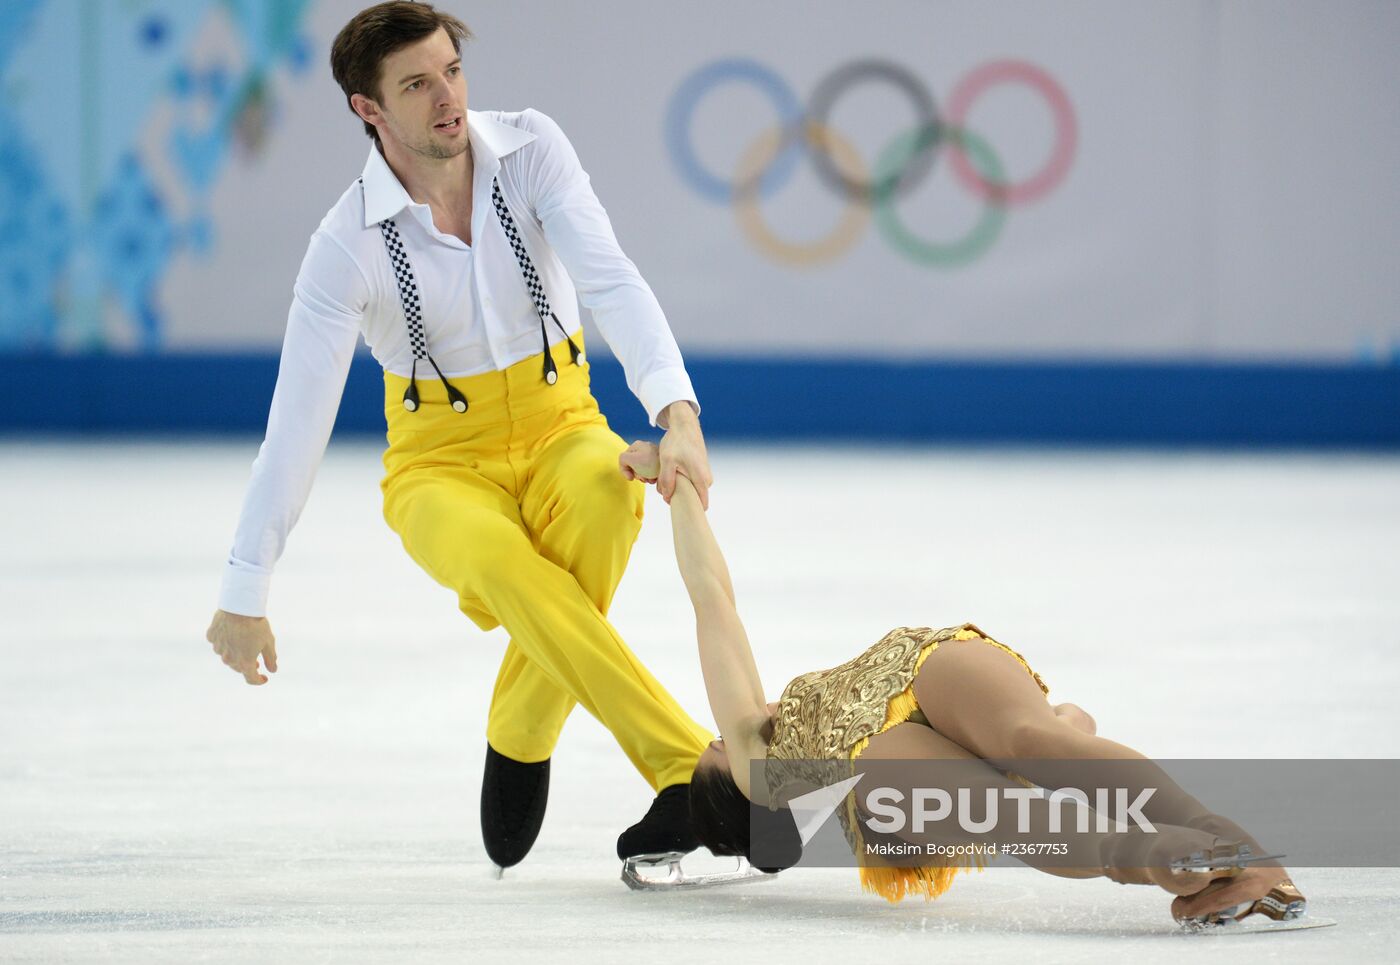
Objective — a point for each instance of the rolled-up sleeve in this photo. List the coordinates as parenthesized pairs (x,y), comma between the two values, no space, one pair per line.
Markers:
(623,305)
(328,302)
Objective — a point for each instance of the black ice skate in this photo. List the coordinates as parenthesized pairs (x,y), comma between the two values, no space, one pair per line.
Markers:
(513,798)
(652,849)
(664,828)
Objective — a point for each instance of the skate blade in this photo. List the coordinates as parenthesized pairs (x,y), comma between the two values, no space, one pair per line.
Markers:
(663,872)
(1201,862)
(1255,924)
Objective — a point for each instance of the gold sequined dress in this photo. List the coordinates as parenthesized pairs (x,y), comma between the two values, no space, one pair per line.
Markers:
(832,714)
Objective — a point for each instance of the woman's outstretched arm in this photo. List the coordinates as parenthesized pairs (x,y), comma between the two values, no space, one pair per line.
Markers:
(726,660)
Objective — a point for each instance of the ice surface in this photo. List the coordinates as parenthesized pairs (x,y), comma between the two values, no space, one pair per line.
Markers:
(153,807)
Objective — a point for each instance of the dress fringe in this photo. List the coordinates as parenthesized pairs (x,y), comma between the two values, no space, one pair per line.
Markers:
(895,884)
(891,883)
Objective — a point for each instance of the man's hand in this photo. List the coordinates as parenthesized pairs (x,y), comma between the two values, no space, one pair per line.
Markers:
(238,640)
(683,451)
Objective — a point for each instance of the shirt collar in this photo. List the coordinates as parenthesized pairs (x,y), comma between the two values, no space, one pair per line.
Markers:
(491,140)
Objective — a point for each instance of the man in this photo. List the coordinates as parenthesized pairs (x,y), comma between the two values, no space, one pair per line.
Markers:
(457,252)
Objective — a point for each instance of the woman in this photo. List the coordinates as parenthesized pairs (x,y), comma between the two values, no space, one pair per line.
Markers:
(947,695)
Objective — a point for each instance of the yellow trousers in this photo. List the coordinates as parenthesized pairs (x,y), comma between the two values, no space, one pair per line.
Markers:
(517,506)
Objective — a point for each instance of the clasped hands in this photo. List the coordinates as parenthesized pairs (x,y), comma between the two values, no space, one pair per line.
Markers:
(682,451)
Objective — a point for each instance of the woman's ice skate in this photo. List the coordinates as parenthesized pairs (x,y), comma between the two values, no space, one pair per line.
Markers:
(1281,908)
(1229,869)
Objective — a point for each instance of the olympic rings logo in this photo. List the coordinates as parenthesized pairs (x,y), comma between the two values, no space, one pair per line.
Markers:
(773,157)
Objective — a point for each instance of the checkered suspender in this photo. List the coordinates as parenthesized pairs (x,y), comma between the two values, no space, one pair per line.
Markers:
(413,316)
(413,306)
(408,288)
(532,284)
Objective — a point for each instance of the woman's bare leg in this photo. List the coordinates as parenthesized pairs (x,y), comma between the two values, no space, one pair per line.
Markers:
(1076,717)
(1084,852)
(980,697)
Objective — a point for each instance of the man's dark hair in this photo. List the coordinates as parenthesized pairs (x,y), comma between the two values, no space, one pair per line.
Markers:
(378,31)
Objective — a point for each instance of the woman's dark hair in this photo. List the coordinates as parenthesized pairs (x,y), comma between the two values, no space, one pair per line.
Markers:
(721,818)
(719,812)
(378,31)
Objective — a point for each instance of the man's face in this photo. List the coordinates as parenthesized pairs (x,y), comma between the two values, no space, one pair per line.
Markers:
(423,98)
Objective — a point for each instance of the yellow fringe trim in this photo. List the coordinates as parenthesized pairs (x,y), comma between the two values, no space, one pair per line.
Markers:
(894,884)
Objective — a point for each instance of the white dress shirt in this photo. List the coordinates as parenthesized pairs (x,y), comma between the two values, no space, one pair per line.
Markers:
(477,313)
